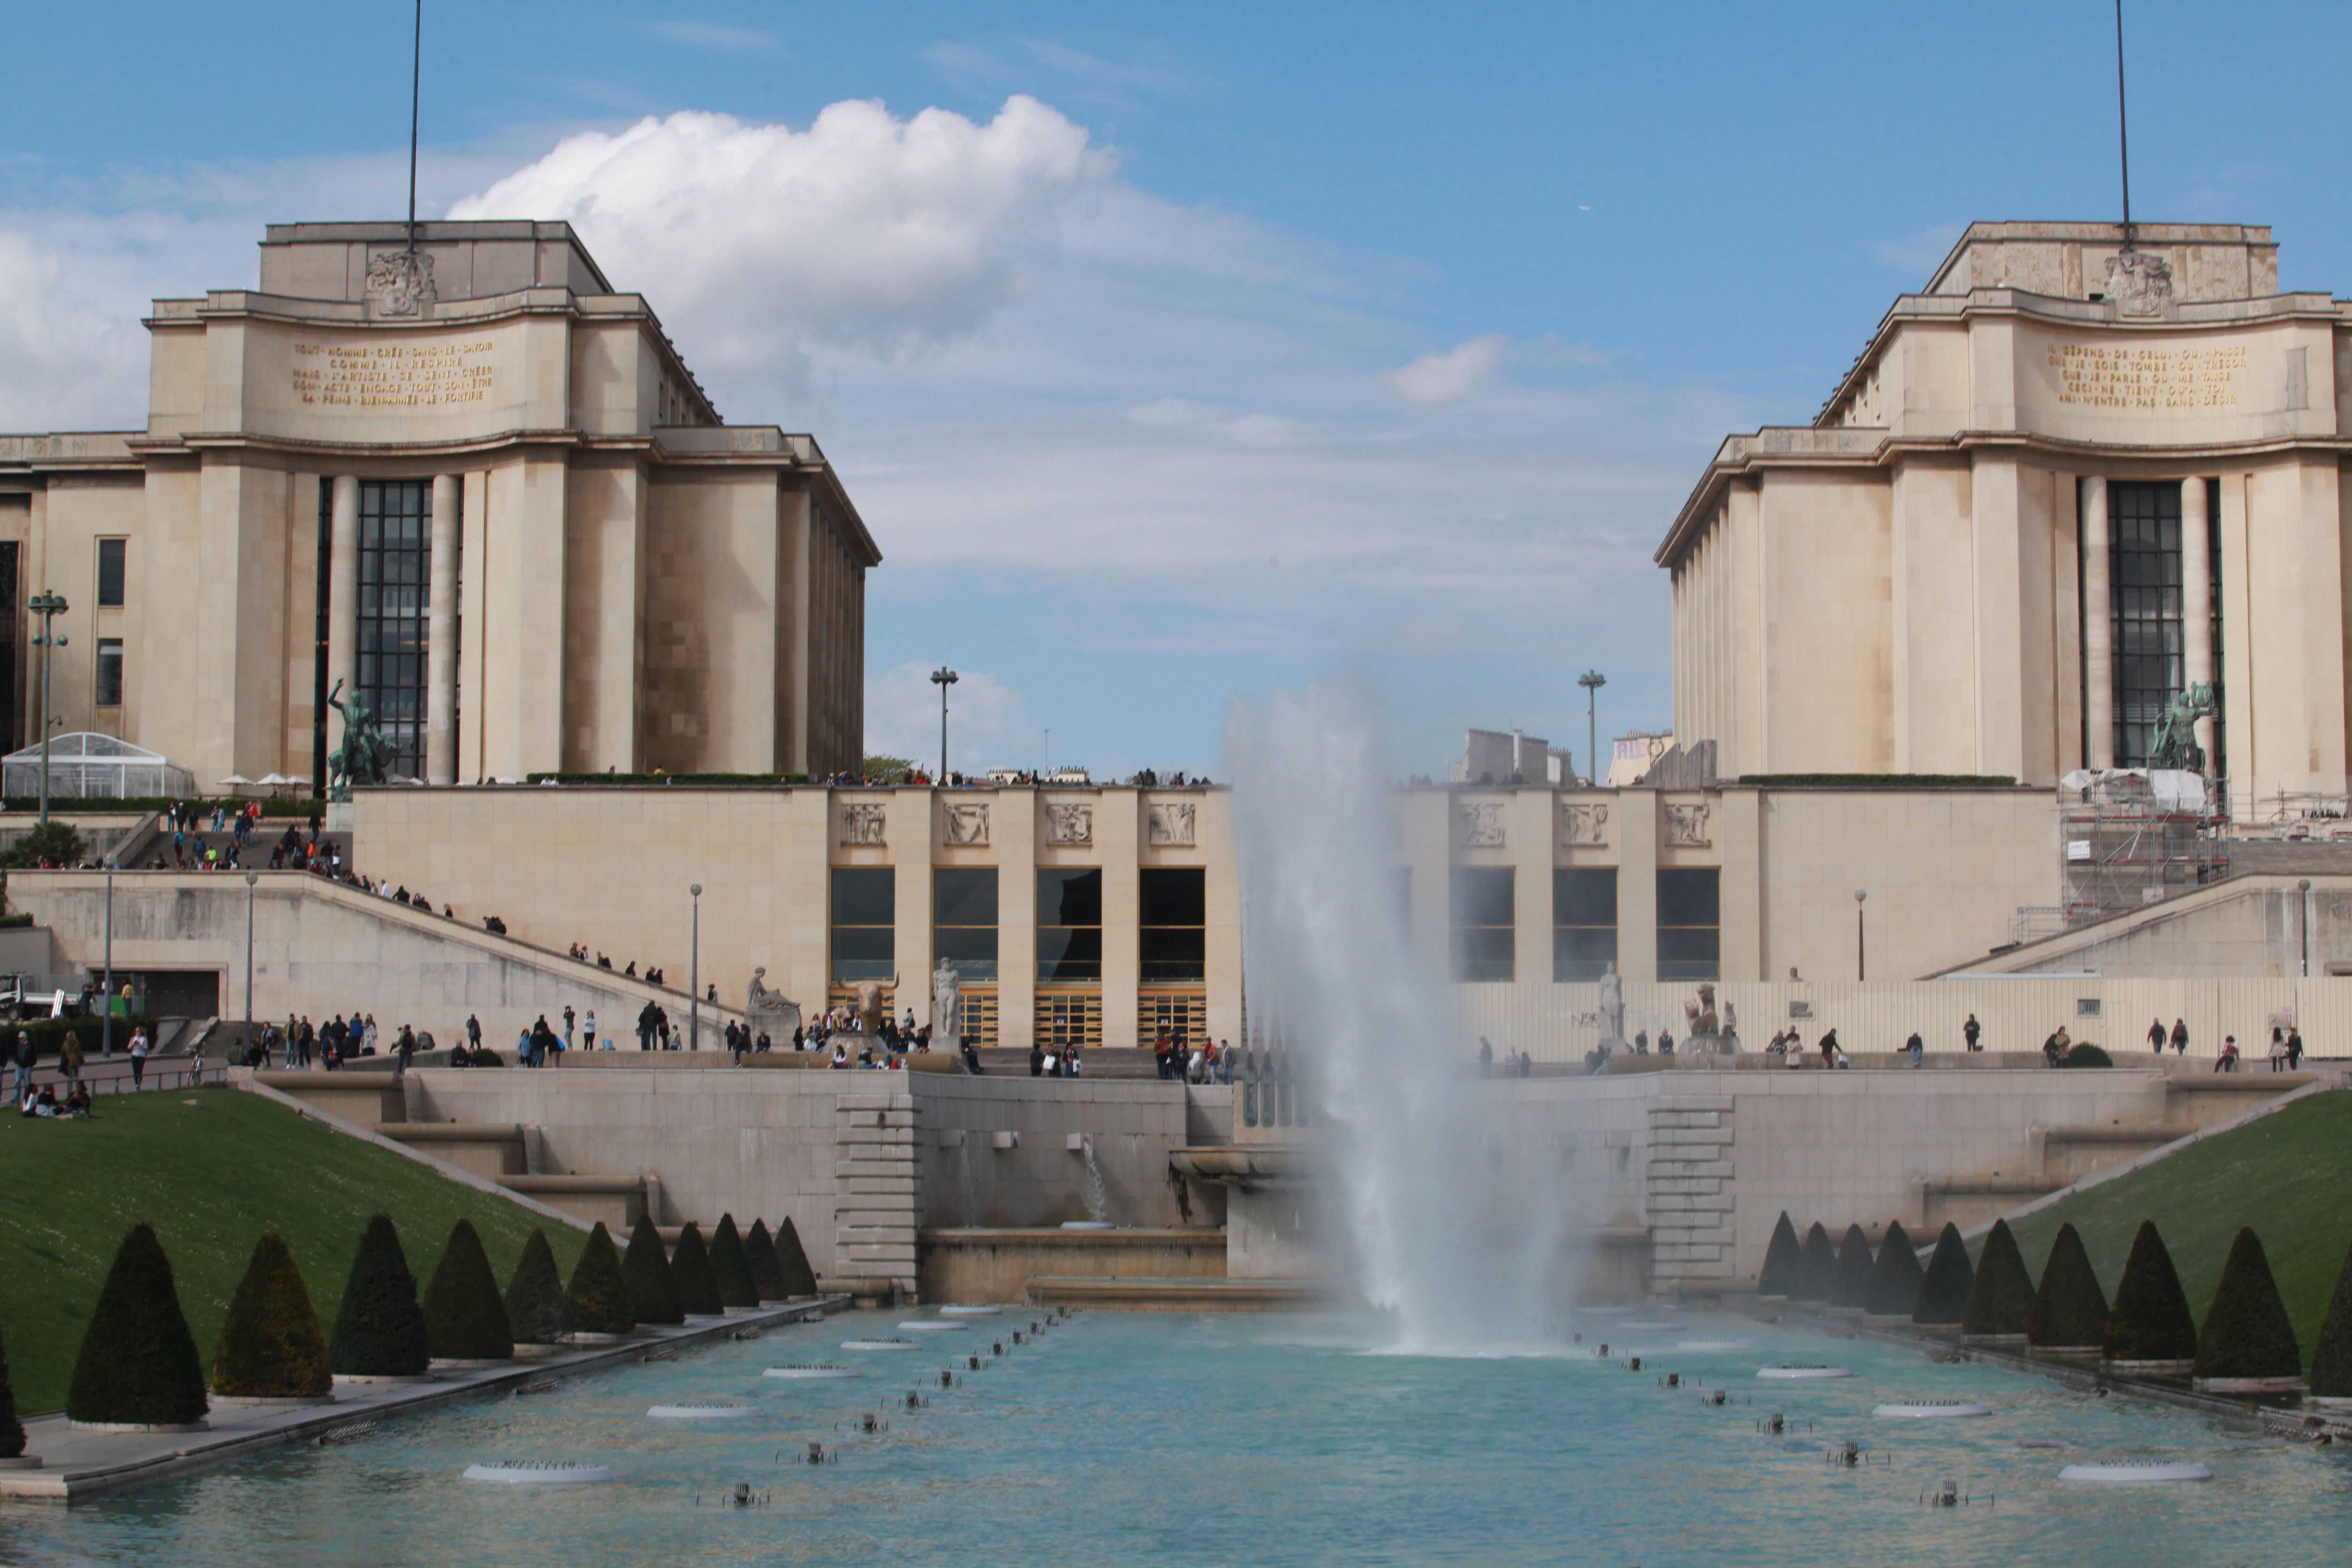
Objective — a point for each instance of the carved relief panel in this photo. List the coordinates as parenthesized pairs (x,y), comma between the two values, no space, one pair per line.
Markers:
(1478,824)
(1687,826)
(1171,822)
(1584,823)
(1069,823)
(863,824)
(967,824)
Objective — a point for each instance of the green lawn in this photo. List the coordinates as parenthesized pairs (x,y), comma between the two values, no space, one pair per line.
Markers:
(211,1171)
(2289,1175)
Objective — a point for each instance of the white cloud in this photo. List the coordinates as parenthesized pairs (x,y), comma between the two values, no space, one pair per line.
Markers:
(711,35)
(1919,254)
(66,359)
(1452,375)
(988,723)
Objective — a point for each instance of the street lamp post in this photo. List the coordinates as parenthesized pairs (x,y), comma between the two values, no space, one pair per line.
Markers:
(1593,681)
(694,976)
(106,999)
(944,677)
(2303,887)
(250,878)
(48,606)
(1861,954)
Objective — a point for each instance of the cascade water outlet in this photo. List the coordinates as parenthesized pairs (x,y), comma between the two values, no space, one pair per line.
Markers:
(1002,1140)
(537,1473)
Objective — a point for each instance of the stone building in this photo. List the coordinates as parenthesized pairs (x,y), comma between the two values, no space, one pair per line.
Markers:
(2076,473)
(473,483)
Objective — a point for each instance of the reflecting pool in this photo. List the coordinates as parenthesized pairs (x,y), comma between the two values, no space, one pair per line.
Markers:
(1274,1439)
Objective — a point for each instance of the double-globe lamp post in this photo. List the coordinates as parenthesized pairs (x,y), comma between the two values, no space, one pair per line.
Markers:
(1593,681)
(694,976)
(250,878)
(944,677)
(48,606)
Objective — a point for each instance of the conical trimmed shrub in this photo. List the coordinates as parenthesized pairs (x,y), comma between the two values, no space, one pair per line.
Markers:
(464,1317)
(380,1328)
(2070,1311)
(2150,1319)
(1850,1286)
(2331,1363)
(731,1268)
(1894,1279)
(652,1298)
(760,1254)
(793,1263)
(271,1347)
(536,1311)
(1781,1259)
(598,1301)
(2000,1302)
(12,1430)
(138,1365)
(691,1277)
(2246,1332)
(1944,1290)
(1816,1266)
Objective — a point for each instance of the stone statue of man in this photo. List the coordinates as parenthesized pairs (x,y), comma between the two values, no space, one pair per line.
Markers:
(1612,1004)
(945,999)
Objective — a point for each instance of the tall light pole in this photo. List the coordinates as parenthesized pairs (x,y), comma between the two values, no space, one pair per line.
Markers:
(944,677)
(694,976)
(48,606)
(2304,887)
(106,997)
(250,878)
(1593,681)
(1861,954)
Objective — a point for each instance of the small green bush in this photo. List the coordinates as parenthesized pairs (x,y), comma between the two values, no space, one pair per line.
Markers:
(21,921)
(1850,1286)
(464,1317)
(487,1058)
(793,1263)
(731,1268)
(691,1276)
(270,1346)
(56,841)
(2086,1056)
(1781,1259)
(2000,1301)
(598,1301)
(2246,1332)
(1816,1266)
(2070,1311)
(536,1310)
(138,1363)
(12,1430)
(1894,1281)
(759,1253)
(2150,1319)
(653,1294)
(2331,1362)
(380,1328)
(1944,1290)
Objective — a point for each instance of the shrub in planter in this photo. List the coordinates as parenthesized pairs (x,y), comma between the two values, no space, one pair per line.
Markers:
(2070,1311)
(536,1310)
(138,1365)
(12,1430)
(598,1301)
(799,1279)
(760,1254)
(2000,1301)
(1781,1259)
(2150,1321)
(380,1328)
(691,1277)
(1944,1288)
(464,1317)
(1850,1286)
(652,1298)
(271,1347)
(731,1268)
(2331,1362)
(2246,1332)
(1816,1266)
(1894,1281)
(2086,1056)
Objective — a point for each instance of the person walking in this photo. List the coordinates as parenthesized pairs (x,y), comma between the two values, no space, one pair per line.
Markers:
(1037,1059)
(2179,1038)
(26,1056)
(69,1060)
(2156,1036)
(568,1021)
(1830,1049)
(1973,1033)
(2278,1048)
(405,1047)
(527,1048)
(1916,1047)
(2294,1049)
(473,1033)
(139,1058)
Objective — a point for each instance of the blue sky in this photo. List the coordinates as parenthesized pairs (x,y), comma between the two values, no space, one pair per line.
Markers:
(1206,349)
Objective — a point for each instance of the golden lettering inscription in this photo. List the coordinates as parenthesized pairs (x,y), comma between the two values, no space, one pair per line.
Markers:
(2148,378)
(393,376)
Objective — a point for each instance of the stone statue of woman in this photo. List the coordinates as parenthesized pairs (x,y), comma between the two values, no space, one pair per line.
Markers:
(946,998)
(1613,1007)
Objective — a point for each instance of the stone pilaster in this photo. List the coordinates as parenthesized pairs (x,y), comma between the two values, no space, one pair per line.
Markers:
(1688,1194)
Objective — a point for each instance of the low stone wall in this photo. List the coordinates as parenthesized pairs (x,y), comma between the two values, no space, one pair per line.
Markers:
(996,1266)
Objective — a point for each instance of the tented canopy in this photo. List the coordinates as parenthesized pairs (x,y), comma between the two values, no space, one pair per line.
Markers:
(87,765)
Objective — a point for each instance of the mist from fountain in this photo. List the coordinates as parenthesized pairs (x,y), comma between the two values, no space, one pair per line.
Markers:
(1454,1232)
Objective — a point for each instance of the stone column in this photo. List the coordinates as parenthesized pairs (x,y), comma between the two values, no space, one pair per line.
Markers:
(441,637)
(2098,630)
(2196,603)
(342,597)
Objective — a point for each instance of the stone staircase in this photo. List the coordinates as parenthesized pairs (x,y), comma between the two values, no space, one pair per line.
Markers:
(1104,1061)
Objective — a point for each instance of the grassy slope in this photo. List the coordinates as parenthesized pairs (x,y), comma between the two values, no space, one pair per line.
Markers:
(2286,1175)
(210,1177)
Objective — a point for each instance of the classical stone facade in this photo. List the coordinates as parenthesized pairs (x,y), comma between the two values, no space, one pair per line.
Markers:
(476,486)
(2071,478)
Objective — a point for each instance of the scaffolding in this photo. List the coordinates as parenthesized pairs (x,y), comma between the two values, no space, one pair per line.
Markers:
(2134,836)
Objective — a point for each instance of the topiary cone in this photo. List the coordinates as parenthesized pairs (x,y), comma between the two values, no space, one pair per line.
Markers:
(732,1270)
(652,1298)
(1781,1259)
(1816,1266)
(536,1310)
(464,1317)
(599,1298)
(270,1346)
(793,1263)
(2070,1311)
(691,1277)
(1850,1286)
(1944,1288)
(380,1328)
(1894,1281)
(2149,1327)
(2331,1362)
(2247,1337)
(12,1430)
(2000,1301)
(138,1365)
(759,1253)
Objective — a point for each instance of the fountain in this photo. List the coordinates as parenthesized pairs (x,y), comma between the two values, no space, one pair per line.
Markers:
(537,1473)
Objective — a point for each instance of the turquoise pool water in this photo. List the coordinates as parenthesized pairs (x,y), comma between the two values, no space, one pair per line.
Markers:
(1184,1440)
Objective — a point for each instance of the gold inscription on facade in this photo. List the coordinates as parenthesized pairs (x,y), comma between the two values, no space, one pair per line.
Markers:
(2146,378)
(393,376)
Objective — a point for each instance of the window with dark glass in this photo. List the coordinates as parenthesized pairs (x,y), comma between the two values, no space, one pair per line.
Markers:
(1583,922)
(865,916)
(1069,924)
(395,566)
(1690,923)
(1173,904)
(2218,764)
(1483,923)
(10,730)
(110,672)
(963,920)
(110,570)
(2144,574)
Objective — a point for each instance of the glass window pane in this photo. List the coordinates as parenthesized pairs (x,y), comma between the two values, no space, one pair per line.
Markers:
(1582,952)
(1173,897)
(1069,896)
(1584,896)
(1482,952)
(1482,896)
(1174,952)
(1689,898)
(1689,954)
(963,896)
(110,571)
(864,895)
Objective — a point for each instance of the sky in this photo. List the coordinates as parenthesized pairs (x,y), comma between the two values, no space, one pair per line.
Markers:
(1176,354)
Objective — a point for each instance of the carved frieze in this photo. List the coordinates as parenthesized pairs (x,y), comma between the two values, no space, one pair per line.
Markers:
(399,282)
(966,823)
(1069,823)
(1687,826)
(1478,824)
(1583,822)
(1171,822)
(864,823)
